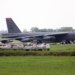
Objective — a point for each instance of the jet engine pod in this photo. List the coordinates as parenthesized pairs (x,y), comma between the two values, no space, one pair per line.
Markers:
(50,38)
(26,40)
(19,38)
(6,41)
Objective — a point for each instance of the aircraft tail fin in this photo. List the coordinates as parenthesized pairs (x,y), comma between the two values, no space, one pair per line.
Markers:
(12,27)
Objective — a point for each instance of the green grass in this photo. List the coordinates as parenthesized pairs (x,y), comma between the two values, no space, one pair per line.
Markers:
(37,65)
(63,47)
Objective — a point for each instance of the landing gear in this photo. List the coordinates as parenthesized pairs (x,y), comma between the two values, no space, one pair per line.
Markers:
(67,42)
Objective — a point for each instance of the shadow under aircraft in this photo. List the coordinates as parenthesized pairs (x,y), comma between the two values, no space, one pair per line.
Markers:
(39,37)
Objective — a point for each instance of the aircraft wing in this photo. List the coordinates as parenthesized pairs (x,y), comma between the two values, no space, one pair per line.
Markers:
(47,36)
(38,36)
(56,34)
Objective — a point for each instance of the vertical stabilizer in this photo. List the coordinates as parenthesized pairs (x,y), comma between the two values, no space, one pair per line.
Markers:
(12,27)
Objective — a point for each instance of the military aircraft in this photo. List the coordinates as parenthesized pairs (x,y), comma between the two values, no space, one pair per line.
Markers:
(39,37)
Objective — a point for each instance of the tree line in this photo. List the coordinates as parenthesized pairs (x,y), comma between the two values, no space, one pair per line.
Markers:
(36,29)
(62,29)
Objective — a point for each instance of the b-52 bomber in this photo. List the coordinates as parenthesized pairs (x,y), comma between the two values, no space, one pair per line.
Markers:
(47,37)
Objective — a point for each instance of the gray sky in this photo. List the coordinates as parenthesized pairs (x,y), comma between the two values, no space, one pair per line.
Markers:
(38,13)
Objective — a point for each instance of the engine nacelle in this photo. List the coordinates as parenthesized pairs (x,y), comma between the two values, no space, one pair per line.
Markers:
(26,40)
(50,38)
(6,41)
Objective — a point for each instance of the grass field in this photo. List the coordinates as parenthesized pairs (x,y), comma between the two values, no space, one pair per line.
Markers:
(62,47)
(37,65)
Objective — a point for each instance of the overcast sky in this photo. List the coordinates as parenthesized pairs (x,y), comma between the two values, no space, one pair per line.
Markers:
(38,13)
